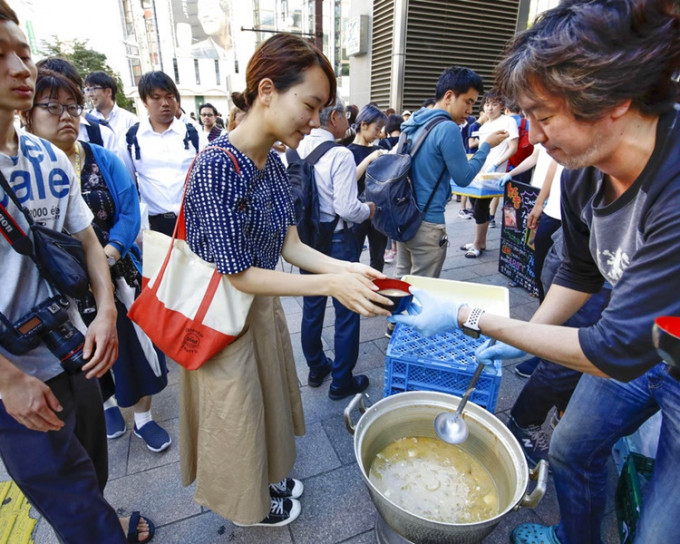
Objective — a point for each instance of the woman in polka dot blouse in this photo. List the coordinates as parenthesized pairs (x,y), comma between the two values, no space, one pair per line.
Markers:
(241,410)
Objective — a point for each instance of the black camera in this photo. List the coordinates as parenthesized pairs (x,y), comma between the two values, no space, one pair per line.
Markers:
(49,323)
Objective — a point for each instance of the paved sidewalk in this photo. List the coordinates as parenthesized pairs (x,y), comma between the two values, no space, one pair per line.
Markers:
(336,507)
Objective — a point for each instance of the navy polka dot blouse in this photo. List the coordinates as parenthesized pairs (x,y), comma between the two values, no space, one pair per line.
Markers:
(237,221)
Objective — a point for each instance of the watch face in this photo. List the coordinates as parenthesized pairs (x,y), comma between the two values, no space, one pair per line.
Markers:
(110,260)
(472,333)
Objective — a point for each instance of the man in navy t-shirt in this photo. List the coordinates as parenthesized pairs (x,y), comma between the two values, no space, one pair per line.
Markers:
(604,105)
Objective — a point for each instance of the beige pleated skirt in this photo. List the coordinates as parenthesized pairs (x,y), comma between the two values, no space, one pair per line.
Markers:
(239,414)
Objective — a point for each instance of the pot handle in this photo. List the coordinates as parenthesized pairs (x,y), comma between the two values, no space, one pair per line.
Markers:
(359,399)
(540,474)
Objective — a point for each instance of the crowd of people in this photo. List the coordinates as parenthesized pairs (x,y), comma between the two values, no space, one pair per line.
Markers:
(601,112)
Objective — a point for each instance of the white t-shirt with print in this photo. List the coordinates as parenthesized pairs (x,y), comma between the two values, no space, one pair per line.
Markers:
(504,122)
(44,182)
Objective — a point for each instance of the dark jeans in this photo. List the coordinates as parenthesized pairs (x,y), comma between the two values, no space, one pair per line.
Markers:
(343,246)
(600,412)
(377,242)
(63,473)
(164,223)
(552,384)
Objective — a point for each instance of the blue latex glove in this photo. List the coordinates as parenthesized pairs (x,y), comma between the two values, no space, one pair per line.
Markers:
(491,169)
(431,314)
(489,351)
(502,181)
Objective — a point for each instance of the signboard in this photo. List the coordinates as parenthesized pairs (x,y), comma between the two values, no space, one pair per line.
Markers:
(356,41)
(516,259)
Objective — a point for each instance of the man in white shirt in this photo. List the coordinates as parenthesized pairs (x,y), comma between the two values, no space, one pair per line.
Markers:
(101,90)
(335,174)
(160,150)
(208,115)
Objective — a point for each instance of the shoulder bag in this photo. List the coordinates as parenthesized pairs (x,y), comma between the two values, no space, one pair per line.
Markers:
(187,308)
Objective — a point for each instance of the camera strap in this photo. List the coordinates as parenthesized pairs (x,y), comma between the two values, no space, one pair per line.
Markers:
(10,229)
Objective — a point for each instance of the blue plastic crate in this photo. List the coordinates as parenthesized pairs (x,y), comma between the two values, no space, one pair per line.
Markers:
(444,363)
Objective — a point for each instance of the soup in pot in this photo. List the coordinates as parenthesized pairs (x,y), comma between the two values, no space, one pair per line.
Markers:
(434,480)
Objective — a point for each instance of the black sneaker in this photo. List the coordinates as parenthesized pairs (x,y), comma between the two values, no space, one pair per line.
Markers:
(358,384)
(532,439)
(286,488)
(316,377)
(281,513)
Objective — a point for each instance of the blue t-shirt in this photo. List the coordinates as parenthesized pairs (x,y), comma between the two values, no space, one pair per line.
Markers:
(237,221)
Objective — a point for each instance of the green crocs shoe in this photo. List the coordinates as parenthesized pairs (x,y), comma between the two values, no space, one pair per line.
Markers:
(533,533)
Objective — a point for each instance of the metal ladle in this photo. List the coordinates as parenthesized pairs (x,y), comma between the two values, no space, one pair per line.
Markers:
(451,427)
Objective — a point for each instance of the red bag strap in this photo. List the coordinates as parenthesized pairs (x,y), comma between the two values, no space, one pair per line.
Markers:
(180,233)
(180,227)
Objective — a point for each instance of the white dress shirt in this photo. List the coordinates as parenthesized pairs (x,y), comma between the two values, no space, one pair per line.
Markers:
(336,179)
(163,164)
(119,120)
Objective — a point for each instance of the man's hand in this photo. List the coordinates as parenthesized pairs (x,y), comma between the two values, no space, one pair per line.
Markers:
(101,345)
(371,206)
(534,216)
(489,351)
(31,402)
(432,315)
(497,137)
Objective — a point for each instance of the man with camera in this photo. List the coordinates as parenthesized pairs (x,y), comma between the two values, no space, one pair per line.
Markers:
(52,432)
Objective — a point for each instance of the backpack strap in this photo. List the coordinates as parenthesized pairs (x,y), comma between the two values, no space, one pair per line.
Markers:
(94,132)
(292,155)
(416,147)
(424,133)
(319,151)
(131,140)
(191,136)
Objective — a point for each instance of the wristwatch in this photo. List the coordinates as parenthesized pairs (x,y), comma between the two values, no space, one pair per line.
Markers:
(111,260)
(471,325)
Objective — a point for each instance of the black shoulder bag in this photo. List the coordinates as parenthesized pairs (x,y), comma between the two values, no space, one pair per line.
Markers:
(60,257)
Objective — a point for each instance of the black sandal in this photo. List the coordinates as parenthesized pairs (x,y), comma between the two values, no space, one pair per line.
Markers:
(133,534)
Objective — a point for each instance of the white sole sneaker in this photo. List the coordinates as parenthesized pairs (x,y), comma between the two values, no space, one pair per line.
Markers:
(295,510)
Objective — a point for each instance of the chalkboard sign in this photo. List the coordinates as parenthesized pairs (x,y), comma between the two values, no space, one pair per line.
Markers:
(516,260)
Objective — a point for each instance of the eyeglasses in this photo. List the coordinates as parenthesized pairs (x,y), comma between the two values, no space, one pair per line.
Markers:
(89,90)
(74,110)
(207,115)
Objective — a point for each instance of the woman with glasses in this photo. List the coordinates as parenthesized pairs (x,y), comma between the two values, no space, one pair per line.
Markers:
(110,193)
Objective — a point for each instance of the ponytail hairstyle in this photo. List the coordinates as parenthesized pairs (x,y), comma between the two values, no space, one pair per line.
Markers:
(283,58)
(369,114)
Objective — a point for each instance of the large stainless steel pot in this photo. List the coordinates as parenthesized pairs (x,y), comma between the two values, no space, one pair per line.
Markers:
(490,442)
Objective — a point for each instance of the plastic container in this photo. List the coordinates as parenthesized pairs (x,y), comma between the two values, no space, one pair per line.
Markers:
(444,363)
(491,298)
(630,490)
